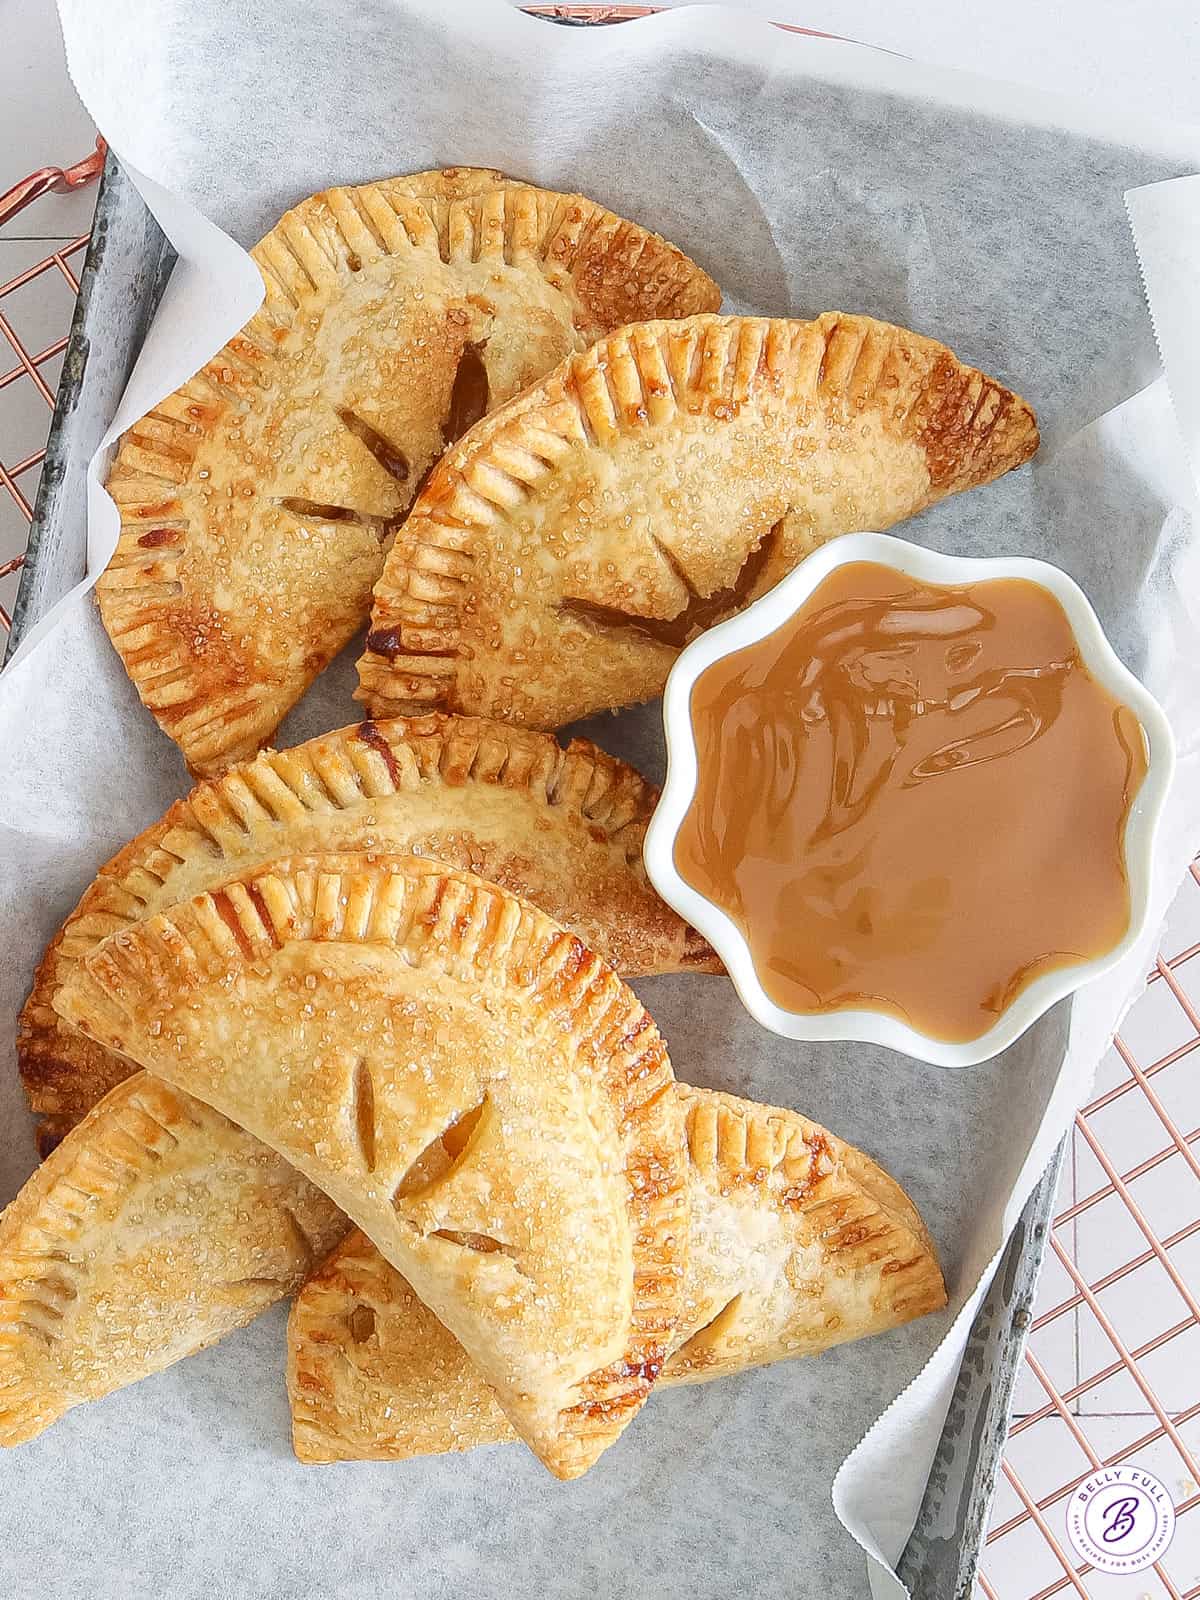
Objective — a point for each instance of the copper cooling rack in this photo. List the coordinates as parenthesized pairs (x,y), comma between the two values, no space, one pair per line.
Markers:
(18,478)
(1094,1313)
(1144,1215)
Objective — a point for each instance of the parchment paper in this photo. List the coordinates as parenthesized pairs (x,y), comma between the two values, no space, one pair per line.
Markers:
(805,175)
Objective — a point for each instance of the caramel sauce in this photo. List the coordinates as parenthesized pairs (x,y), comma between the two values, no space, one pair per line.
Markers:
(468,394)
(912,799)
(701,611)
(372,736)
(389,456)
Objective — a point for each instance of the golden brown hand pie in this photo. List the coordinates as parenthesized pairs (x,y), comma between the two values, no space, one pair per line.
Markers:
(257,501)
(797,1242)
(469,1083)
(562,828)
(566,548)
(153,1230)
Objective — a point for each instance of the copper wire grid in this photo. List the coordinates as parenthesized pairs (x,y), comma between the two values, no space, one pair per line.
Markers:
(18,478)
(1155,1434)
(1002,1576)
(607,14)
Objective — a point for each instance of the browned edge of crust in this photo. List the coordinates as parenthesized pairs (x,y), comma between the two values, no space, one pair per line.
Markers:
(743,1141)
(64,1073)
(971,429)
(120,1137)
(733,1143)
(439,917)
(212,695)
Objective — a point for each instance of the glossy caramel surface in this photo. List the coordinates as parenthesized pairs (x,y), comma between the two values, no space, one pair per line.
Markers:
(912,799)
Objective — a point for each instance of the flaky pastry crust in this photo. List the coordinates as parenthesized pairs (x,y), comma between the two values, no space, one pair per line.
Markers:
(567,547)
(257,501)
(470,1085)
(562,828)
(155,1228)
(797,1242)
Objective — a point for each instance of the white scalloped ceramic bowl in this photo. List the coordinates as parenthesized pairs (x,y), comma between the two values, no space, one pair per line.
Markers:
(764,617)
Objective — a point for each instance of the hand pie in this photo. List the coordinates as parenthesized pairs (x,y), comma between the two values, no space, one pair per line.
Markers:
(256,502)
(564,551)
(154,1229)
(797,1242)
(469,1083)
(562,828)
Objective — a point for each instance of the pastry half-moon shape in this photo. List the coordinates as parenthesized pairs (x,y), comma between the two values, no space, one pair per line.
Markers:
(573,541)
(797,1242)
(257,501)
(562,828)
(154,1229)
(471,1086)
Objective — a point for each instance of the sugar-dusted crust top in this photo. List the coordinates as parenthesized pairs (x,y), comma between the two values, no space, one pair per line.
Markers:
(562,828)
(797,1242)
(468,1082)
(566,548)
(257,501)
(154,1229)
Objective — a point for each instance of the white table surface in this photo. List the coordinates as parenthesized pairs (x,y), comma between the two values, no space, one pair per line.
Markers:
(1144,55)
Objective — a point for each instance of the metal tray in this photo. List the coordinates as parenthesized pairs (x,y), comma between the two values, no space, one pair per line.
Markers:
(128,263)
